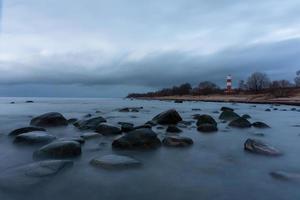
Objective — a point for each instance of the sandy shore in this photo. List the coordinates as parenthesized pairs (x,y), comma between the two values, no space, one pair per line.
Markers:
(256,99)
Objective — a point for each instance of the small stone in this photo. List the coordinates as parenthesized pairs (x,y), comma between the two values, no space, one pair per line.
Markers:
(115,162)
(177,141)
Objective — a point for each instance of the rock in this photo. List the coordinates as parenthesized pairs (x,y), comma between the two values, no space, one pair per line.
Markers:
(59,149)
(29,101)
(72,120)
(173,129)
(275,109)
(260,125)
(130,109)
(160,128)
(178,101)
(240,123)
(126,126)
(108,129)
(151,123)
(196,109)
(52,119)
(259,134)
(293,109)
(35,137)
(177,141)
(258,147)
(24,177)
(90,135)
(206,119)
(89,124)
(168,117)
(269,110)
(228,116)
(75,139)
(207,128)
(216,112)
(186,123)
(143,126)
(138,139)
(25,130)
(285,176)
(87,115)
(227,109)
(246,116)
(12,102)
(115,162)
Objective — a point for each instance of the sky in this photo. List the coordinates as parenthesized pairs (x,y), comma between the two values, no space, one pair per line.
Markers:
(100,48)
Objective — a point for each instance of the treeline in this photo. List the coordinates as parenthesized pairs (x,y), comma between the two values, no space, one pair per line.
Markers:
(257,82)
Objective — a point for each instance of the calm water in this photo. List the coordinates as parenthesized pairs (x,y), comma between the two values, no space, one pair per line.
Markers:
(215,167)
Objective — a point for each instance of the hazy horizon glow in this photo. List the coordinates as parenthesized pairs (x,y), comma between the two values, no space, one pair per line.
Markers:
(110,48)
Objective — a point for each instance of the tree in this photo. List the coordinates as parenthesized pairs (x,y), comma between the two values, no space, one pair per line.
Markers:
(207,87)
(258,81)
(184,89)
(242,85)
(297,79)
(280,88)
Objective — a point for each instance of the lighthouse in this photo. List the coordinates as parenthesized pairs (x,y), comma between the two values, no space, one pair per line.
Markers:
(229,84)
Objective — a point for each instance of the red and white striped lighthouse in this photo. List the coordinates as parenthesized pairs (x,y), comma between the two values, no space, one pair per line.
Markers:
(229,84)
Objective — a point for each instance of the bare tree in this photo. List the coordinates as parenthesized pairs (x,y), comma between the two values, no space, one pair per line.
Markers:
(207,87)
(258,81)
(297,79)
(281,88)
(242,85)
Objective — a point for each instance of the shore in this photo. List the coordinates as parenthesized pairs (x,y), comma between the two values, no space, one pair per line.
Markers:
(253,98)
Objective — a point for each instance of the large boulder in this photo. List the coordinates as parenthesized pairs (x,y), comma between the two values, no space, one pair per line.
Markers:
(89,124)
(108,129)
(143,138)
(25,130)
(207,128)
(206,119)
(115,162)
(51,119)
(259,147)
(260,125)
(35,137)
(22,178)
(177,141)
(168,117)
(240,123)
(228,115)
(59,149)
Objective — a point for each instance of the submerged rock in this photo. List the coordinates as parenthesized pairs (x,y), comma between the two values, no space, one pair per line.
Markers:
(59,149)
(143,138)
(126,126)
(168,117)
(177,141)
(29,101)
(25,130)
(89,124)
(35,137)
(173,129)
(228,115)
(130,109)
(23,177)
(207,128)
(240,123)
(51,119)
(90,135)
(260,125)
(286,176)
(246,116)
(206,119)
(269,110)
(259,147)
(178,101)
(108,129)
(115,162)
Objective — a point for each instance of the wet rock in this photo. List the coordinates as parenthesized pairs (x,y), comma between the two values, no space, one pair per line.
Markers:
(293,109)
(126,126)
(35,137)
(168,117)
(25,130)
(275,109)
(51,119)
(177,141)
(138,139)
(75,139)
(228,115)
(206,119)
(89,124)
(12,102)
(143,126)
(59,149)
(72,120)
(246,116)
(269,110)
(87,115)
(178,101)
(173,129)
(108,129)
(260,125)
(207,128)
(90,135)
(216,112)
(151,123)
(115,162)
(29,101)
(196,109)
(130,109)
(259,147)
(240,123)
(24,177)
(285,176)
(227,109)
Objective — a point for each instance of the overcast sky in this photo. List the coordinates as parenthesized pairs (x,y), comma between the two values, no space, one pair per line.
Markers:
(101,48)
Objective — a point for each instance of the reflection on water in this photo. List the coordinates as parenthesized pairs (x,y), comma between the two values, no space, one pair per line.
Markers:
(215,167)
